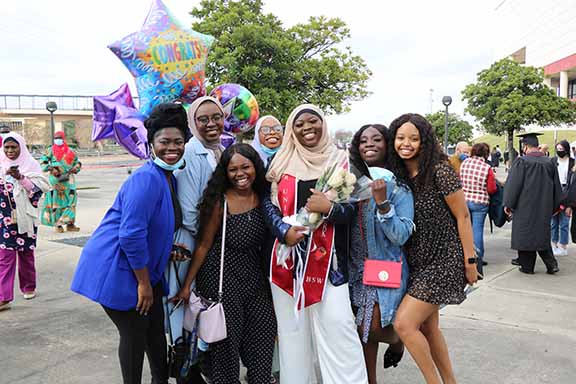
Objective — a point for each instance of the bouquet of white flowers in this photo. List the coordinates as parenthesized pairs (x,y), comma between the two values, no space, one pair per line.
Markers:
(339,185)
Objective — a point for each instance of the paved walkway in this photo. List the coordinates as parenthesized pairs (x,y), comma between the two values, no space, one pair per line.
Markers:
(513,328)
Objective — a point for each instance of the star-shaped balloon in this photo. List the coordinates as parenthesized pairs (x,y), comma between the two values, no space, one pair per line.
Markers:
(166,59)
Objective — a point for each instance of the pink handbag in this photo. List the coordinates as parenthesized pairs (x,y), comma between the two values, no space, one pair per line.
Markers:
(385,274)
(196,304)
(212,324)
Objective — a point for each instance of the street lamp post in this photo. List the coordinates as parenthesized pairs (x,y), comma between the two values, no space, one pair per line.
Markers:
(51,107)
(446,100)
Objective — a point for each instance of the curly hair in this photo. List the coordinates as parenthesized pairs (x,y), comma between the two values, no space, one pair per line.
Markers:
(355,157)
(220,183)
(429,155)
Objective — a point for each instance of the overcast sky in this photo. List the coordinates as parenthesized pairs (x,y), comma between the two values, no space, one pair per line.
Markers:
(411,46)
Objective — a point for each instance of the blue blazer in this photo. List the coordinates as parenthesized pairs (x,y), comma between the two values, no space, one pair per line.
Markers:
(136,232)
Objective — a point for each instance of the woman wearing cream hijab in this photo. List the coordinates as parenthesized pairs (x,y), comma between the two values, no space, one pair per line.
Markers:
(324,312)
(268,134)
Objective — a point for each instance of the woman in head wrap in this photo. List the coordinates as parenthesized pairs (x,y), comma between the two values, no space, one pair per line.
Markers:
(60,203)
(267,137)
(122,265)
(21,186)
(327,316)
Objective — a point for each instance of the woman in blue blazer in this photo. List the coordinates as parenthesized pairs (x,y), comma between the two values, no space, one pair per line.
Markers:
(122,265)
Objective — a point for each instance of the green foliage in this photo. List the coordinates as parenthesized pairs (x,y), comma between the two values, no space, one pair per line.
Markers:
(282,67)
(508,96)
(458,129)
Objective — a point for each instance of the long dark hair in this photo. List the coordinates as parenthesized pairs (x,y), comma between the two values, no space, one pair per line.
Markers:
(429,155)
(355,157)
(219,183)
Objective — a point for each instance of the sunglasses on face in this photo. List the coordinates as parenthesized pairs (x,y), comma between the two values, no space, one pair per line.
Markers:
(204,120)
(269,130)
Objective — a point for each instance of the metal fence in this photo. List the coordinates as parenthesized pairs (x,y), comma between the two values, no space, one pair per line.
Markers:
(64,102)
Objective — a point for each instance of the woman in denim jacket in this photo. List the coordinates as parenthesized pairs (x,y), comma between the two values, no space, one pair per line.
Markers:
(381,227)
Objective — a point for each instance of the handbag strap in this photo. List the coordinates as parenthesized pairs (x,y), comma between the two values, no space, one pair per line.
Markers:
(221,283)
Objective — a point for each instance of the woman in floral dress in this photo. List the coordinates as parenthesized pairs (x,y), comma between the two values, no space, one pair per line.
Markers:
(21,186)
(60,203)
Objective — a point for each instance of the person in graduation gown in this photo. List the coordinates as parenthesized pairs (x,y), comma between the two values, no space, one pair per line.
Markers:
(532,195)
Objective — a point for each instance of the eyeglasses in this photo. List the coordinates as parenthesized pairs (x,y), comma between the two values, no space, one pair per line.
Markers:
(269,130)
(204,120)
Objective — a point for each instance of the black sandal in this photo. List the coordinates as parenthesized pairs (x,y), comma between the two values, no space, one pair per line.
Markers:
(391,359)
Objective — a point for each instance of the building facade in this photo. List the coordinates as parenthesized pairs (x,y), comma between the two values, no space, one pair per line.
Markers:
(540,33)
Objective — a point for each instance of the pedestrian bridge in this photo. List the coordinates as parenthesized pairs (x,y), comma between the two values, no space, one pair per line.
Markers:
(27,114)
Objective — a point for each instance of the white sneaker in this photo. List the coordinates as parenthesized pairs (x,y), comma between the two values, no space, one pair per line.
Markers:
(29,295)
(562,251)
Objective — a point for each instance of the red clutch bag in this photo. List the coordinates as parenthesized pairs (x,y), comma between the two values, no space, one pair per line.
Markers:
(385,274)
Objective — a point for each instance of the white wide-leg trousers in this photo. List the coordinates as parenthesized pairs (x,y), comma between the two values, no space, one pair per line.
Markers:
(330,324)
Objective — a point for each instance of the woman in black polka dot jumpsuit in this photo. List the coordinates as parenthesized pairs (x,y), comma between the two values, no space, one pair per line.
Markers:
(250,320)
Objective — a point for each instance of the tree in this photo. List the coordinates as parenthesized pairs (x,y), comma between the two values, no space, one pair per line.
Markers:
(508,96)
(458,129)
(283,67)
(342,137)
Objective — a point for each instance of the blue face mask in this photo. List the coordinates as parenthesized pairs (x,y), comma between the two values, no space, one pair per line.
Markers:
(463,156)
(377,173)
(169,167)
(269,151)
(165,166)
(58,142)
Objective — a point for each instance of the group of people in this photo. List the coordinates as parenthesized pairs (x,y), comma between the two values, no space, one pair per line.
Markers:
(22,184)
(162,240)
(538,195)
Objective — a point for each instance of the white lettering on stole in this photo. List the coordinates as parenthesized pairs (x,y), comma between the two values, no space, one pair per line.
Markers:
(314,280)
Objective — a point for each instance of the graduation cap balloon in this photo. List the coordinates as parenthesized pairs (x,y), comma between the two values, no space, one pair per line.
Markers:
(166,59)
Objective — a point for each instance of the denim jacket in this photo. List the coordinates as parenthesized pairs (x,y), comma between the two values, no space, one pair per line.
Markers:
(385,236)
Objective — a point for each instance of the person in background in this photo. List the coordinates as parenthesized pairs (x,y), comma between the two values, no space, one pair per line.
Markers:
(21,186)
(561,219)
(327,317)
(532,194)
(506,160)
(379,230)
(544,149)
(4,130)
(122,265)
(60,203)
(494,158)
(440,253)
(478,182)
(462,152)
(237,187)
(268,135)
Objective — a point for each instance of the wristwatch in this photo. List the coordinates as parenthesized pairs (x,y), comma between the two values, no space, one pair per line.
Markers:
(383,205)
(472,260)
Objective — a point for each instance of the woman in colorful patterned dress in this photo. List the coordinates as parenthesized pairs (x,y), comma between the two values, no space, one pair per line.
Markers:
(21,186)
(60,203)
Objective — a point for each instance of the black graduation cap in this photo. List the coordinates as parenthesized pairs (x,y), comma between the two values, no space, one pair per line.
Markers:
(530,138)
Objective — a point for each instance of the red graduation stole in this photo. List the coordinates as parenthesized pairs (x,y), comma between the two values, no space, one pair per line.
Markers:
(317,264)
